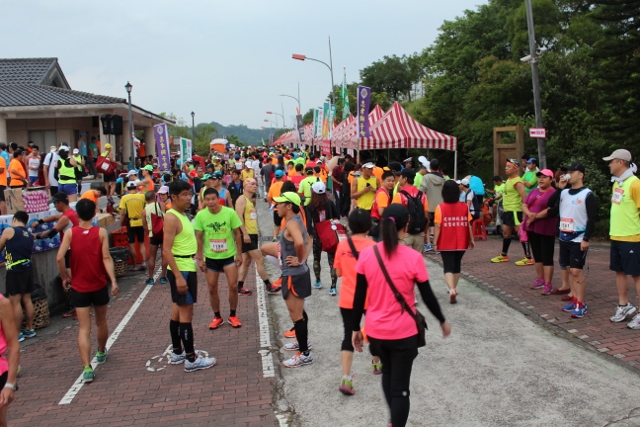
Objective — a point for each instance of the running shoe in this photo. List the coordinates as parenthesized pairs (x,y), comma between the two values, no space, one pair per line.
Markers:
(149,281)
(291,333)
(216,322)
(571,306)
(427,248)
(88,375)
(164,280)
(346,386)
(70,313)
(538,284)
(317,285)
(548,287)
(244,292)
(500,258)
(273,289)
(333,291)
(579,311)
(29,333)
(635,322)
(377,368)
(293,346)
(452,296)
(566,298)
(622,312)
(298,360)
(101,356)
(177,359)
(524,261)
(200,363)
(20,337)
(234,321)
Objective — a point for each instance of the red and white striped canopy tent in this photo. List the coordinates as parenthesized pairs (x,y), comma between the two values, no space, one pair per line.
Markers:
(397,129)
(348,137)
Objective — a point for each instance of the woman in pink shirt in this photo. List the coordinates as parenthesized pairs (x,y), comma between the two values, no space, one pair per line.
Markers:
(392,332)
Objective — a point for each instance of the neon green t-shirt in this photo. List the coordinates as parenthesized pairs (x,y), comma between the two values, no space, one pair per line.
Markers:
(219,242)
(531,178)
(512,201)
(305,188)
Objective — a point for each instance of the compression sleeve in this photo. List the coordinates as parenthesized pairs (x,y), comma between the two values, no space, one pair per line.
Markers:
(359,300)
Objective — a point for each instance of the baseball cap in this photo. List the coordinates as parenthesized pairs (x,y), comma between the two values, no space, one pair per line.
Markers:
(309,171)
(132,172)
(546,172)
(575,166)
(532,159)
(407,160)
(76,151)
(206,176)
(248,163)
(464,181)
(319,188)
(216,175)
(107,145)
(131,184)
(148,168)
(163,190)
(237,156)
(318,162)
(368,165)
(189,160)
(620,153)
(59,197)
(514,162)
(63,148)
(288,197)
(279,173)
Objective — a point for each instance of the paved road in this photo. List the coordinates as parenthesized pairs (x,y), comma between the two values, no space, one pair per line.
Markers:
(500,367)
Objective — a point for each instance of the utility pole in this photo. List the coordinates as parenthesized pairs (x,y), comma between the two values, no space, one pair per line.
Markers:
(537,103)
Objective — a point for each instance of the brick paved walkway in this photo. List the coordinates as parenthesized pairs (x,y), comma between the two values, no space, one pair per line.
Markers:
(125,392)
(511,283)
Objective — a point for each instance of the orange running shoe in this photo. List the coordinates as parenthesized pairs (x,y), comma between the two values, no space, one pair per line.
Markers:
(234,321)
(290,333)
(216,322)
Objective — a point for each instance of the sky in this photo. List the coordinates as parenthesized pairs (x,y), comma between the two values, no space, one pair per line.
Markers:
(226,61)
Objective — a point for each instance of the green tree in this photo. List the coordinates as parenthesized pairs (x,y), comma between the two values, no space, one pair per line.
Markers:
(394,75)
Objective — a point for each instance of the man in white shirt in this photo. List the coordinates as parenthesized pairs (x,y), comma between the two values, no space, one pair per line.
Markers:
(33,164)
(49,166)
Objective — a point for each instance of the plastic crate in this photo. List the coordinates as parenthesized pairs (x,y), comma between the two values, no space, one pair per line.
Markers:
(119,239)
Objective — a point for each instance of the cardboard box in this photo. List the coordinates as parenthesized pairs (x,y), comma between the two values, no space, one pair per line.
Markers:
(105,219)
(13,199)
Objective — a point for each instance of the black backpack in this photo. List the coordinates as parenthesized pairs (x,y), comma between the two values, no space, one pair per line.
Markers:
(417,219)
(476,205)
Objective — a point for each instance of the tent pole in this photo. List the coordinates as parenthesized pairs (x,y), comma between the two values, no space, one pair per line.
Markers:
(455,165)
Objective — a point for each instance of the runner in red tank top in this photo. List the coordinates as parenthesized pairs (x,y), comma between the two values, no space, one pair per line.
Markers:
(89,287)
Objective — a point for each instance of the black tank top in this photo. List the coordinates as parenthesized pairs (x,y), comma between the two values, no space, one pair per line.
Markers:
(18,250)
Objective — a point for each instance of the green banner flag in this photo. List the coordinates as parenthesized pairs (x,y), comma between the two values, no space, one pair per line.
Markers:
(344,94)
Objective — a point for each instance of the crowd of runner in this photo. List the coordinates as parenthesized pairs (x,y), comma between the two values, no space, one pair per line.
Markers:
(374,222)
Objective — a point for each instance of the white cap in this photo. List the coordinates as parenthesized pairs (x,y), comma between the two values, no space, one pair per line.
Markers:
(248,163)
(76,151)
(132,172)
(463,181)
(131,184)
(63,148)
(319,187)
(369,165)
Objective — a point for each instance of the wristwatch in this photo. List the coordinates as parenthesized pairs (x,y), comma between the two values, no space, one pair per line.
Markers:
(12,386)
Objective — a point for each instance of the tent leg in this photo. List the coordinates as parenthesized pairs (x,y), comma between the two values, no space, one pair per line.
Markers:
(455,165)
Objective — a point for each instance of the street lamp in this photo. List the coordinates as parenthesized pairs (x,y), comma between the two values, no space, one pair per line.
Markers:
(537,103)
(129,87)
(277,114)
(297,99)
(193,128)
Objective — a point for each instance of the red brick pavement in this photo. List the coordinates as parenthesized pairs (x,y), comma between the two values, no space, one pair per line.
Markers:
(511,283)
(232,393)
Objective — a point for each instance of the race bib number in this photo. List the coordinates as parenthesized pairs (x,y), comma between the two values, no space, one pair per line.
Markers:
(566,225)
(253,215)
(218,245)
(617,196)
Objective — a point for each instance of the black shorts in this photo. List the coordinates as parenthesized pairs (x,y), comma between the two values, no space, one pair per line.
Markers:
(299,285)
(19,282)
(218,265)
(135,232)
(252,245)
(625,257)
(571,255)
(87,299)
(509,218)
(155,241)
(277,219)
(109,177)
(191,297)
(431,216)
(2,188)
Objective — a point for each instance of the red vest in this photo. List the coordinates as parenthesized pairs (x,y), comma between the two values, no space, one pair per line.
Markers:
(296,179)
(374,208)
(454,228)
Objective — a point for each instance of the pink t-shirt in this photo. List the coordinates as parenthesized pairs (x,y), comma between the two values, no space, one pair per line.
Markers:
(385,319)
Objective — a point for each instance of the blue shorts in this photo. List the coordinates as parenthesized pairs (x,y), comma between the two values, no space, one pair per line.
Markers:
(33,179)
(625,257)
(68,189)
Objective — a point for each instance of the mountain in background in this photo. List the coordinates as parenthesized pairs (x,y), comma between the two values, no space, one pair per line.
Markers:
(244,134)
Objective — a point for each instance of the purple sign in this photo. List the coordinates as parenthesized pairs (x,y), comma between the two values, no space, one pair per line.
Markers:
(364,98)
(162,146)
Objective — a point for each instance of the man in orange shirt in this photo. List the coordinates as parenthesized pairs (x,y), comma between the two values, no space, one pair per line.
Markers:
(274,191)
(94,194)
(17,171)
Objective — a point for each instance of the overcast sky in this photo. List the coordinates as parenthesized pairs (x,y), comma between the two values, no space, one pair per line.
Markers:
(226,61)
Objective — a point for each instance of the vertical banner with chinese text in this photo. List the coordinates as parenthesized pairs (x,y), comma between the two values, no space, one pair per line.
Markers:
(162,146)
(364,98)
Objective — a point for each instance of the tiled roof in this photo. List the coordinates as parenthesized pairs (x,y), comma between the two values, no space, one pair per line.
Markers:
(34,95)
(30,71)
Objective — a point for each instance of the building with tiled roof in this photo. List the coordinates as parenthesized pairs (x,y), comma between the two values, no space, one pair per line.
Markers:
(37,104)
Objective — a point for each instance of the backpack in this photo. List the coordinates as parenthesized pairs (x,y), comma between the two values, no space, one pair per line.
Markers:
(157,223)
(417,219)
(476,205)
